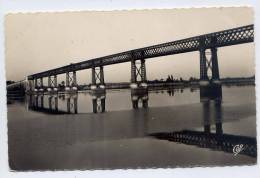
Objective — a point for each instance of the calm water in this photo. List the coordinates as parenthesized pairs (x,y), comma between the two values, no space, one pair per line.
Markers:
(168,128)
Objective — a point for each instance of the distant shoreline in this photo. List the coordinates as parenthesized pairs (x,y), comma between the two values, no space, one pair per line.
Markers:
(177,84)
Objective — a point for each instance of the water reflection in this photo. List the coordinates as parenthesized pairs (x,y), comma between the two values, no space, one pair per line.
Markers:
(176,124)
(215,115)
(139,98)
(211,100)
(68,103)
(53,106)
(54,103)
(170,91)
(99,103)
(72,103)
(36,103)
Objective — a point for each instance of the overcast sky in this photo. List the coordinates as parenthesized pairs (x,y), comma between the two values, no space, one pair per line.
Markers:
(37,42)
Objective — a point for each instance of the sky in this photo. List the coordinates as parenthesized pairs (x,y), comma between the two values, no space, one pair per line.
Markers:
(36,42)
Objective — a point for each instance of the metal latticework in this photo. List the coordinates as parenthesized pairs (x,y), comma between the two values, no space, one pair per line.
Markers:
(138,71)
(244,34)
(52,81)
(38,83)
(218,142)
(98,75)
(71,79)
(99,105)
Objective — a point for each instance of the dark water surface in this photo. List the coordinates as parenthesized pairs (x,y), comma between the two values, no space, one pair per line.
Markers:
(175,128)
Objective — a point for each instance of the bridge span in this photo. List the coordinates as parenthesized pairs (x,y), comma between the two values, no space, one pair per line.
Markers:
(204,44)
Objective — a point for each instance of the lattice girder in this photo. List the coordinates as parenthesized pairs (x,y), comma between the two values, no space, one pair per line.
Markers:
(235,36)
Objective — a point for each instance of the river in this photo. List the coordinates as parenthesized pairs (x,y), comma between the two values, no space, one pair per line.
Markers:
(168,128)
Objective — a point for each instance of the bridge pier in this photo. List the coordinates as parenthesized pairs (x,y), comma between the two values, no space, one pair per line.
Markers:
(35,85)
(215,69)
(41,85)
(204,79)
(98,89)
(208,64)
(71,82)
(98,81)
(209,87)
(52,84)
(138,72)
(30,88)
(38,85)
(212,91)
(204,63)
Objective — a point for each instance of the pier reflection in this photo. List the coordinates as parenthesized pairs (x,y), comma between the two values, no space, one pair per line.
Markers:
(63,103)
(212,95)
(67,103)
(140,97)
(170,91)
(72,103)
(208,138)
(51,106)
(99,103)
(50,103)
(53,102)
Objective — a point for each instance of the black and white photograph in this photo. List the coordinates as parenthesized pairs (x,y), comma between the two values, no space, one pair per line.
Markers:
(130,89)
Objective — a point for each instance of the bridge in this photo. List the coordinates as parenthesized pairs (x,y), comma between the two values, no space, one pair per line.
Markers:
(205,44)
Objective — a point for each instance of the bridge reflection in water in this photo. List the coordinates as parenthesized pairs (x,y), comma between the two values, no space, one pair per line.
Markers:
(139,99)
(171,123)
(37,102)
(211,99)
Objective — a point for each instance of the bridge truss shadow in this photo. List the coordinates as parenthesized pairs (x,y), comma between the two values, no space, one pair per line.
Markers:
(50,103)
(217,140)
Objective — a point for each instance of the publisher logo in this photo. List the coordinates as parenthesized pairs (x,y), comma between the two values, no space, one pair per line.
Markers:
(237,149)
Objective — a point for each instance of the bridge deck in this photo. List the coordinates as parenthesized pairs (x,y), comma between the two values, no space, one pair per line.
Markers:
(244,34)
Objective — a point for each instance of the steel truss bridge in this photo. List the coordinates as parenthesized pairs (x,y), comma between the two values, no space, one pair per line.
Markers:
(202,43)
